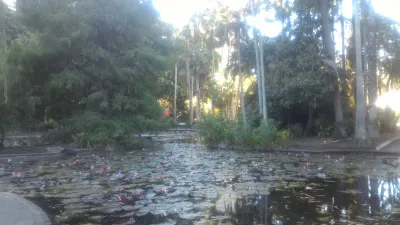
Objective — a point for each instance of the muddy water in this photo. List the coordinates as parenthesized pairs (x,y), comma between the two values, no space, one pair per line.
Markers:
(176,182)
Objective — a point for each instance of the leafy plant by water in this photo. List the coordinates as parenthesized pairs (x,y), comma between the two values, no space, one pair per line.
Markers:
(216,130)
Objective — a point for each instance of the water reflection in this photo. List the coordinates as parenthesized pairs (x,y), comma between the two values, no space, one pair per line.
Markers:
(342,201)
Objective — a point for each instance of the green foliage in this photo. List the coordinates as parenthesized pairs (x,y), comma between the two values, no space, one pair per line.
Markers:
(270,136)
(216,130)
(296,130)
(243,135)
(95,68)
(388,120)
(323,127)
(95,130)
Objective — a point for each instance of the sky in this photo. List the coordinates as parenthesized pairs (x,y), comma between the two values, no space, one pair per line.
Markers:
(178,12)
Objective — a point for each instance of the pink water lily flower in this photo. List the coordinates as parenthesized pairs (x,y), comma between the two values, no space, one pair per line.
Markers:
(91,167)
(16,174)
(134,174)
(119,197)
(119,173)
(101,171)
(164,189)
(122,188)
(62,165)
(158,166)
(108,168)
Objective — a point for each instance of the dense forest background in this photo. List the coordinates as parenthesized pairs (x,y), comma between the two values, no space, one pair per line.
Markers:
(101,72)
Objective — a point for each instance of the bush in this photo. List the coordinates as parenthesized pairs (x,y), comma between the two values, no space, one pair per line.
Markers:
(216,129)
(95,130)
(296,130)
(387,120)
(270,136)
(243,135)
(323,128)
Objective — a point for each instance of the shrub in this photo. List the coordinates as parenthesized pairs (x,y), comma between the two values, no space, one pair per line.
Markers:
(96,130)
(216,129)
(270,136)
(296,130)
(387,120)
(243,135)
(323,128)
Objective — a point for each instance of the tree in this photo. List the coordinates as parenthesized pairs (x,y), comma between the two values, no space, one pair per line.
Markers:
(360,130)
(340,131)
(258,60)
(3,71)
(372,125)
(175,89)
(242,103)
(97,67)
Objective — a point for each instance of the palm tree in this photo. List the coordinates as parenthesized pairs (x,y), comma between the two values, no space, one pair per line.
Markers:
(258,71)
(241,79)
(360,130)
(175,89)
(372,125)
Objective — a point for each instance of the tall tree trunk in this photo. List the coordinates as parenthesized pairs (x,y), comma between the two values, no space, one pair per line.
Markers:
(342,74)
(242,103)
(340,131)
(360,130)
(264,98)
(175,89)
(3,51)
(342,33)
(259,87)
(198,98)
(3,71)
(364,51)
(212,77)
(192,94)
(190,90)
(372,125)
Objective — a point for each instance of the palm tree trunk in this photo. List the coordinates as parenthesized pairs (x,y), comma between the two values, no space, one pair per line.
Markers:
(340,131)
(372,125)
(175,89)
(264,99)
(3,51)
(342,34)
(197,98)
(259,87)
(360,130)
(242,103)
(189,88)
(342,74)
(191,98)
(212,86)
(364,62)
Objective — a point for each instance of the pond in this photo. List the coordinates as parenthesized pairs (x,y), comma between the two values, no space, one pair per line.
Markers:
(178,182)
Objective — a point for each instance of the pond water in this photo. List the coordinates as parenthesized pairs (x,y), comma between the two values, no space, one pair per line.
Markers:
(177,182)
